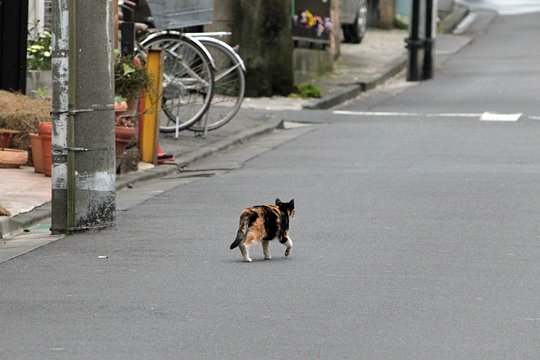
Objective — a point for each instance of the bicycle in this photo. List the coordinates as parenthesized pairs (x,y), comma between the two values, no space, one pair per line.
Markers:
(229,82)
(188,75)
(188,78)
(220,97)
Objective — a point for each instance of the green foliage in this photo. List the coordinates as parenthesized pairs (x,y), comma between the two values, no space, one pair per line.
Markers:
(40,92)
(307,91)
(130,76)
(399,24)
(39,50)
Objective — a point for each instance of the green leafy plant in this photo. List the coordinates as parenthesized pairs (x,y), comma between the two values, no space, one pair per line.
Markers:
(39,50)
(40,92)
(307,91)
(130,76)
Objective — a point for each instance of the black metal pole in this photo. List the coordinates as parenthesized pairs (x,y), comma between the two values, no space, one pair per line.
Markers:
(429,42)
(414,43)
(13,36)
(128,32)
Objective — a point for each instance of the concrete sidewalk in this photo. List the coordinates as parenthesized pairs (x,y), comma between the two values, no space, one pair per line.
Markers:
(360,68)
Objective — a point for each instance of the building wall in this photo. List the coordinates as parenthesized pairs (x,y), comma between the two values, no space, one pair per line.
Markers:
(222,16)
(40,10)
(48,13)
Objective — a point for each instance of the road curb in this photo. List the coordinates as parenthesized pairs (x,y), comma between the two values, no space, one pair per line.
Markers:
(183,160)
(452,20)
(344,93)
(20,222)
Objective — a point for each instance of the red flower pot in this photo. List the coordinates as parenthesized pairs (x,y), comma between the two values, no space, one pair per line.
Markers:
(6,136)
(45,133)
(37,153)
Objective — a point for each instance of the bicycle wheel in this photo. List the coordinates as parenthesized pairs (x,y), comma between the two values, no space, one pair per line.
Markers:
(229,85)
(188,79)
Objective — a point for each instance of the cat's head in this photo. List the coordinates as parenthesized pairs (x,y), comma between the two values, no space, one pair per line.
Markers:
(287,207)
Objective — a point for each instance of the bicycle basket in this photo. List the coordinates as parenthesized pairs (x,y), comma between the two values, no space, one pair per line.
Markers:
(174,14)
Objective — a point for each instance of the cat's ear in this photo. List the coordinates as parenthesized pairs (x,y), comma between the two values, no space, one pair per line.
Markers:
(291,204)
(278,201)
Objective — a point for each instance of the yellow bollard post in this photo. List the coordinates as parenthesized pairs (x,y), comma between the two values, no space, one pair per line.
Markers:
(152,107)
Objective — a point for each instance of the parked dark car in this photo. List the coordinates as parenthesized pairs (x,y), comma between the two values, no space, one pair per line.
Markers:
(353,17)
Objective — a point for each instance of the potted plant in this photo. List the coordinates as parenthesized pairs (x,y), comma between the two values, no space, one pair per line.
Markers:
(124,130)
(20,116)
(6,137)
(130,79)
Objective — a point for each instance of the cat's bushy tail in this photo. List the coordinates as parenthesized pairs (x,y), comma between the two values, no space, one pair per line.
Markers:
(242,231)
(239,238)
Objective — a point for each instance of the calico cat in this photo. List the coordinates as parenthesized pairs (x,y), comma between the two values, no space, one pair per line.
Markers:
(264,223)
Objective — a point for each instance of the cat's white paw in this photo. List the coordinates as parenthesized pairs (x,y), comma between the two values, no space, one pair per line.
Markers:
(287,252)
(248,260)
(268,257)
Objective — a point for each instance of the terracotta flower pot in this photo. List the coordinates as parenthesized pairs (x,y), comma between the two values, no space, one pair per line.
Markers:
(45,133)
(122,137)
(37,153)
(12,158)
(6,136)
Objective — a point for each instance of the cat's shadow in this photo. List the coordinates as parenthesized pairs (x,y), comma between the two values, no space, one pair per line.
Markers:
(258,260)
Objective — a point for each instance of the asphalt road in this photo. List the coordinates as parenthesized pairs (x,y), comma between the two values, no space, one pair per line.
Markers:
(415,236)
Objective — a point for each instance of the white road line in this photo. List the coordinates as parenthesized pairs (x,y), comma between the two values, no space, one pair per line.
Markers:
(489,116)
(395,113)
(465,115)
(485,116)
(374,113)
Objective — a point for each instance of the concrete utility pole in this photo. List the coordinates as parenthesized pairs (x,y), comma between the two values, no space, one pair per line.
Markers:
(91,195)
(60,75)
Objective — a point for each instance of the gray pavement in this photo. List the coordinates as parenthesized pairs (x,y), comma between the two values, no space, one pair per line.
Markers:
(415,237)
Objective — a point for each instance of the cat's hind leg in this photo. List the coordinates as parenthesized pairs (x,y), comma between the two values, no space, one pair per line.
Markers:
(245,252)
(266,253)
